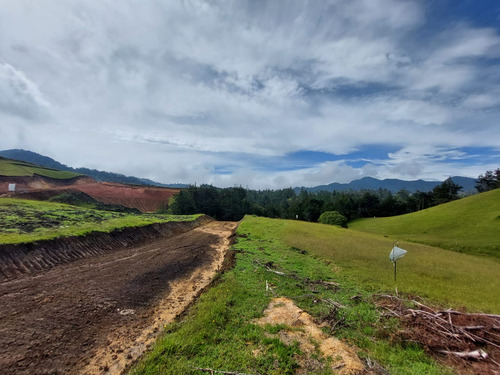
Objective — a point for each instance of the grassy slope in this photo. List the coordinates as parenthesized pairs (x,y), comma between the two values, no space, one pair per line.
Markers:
(469,225)
(441,275)
(218,332)
(24,221)
(18,168)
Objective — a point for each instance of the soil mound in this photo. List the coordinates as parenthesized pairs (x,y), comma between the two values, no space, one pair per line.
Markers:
(30,258)
(308,334)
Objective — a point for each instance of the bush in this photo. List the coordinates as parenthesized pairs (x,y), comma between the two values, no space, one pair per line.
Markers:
(333,218)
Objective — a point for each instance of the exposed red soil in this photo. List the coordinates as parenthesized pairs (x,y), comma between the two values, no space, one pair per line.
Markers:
(144,198)
(25,184)
(96,314)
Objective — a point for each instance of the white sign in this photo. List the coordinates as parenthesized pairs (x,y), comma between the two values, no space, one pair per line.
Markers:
(12,187)
(396,253)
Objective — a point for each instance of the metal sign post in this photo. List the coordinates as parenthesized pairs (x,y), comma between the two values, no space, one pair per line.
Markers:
(396,254)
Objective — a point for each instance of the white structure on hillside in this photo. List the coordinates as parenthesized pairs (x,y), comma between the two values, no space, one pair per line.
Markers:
(12,187)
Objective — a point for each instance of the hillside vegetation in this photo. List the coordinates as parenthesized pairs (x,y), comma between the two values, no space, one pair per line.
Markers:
(220,332)
(10,167)
(445,277)
(470,225)
(23,221)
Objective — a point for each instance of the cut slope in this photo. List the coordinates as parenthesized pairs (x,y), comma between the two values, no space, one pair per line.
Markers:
(470,225)
(47,162)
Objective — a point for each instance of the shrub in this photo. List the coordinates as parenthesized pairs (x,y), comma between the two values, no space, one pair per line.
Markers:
(333,218)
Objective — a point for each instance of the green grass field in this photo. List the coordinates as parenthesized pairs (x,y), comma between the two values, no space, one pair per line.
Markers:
(22,169)
(219,330)
(443,276)
(23,221)
(470,225)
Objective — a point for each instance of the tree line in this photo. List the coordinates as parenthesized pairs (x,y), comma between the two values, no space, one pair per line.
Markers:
(235,202)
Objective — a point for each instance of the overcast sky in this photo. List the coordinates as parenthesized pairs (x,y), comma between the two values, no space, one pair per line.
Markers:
(264,94)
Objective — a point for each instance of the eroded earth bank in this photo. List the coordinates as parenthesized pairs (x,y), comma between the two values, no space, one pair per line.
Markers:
(98,314)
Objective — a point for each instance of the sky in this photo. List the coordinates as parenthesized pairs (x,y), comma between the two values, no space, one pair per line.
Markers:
(259,94)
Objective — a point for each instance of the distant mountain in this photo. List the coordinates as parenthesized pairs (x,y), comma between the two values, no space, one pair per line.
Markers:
(45,161)
(393,185)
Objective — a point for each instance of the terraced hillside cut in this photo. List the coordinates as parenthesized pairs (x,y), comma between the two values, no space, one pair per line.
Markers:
(29,181)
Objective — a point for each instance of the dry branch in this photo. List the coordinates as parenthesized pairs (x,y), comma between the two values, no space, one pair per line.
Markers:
(212,371)
(476,354)
(269,268)
(447,331)
(332,303)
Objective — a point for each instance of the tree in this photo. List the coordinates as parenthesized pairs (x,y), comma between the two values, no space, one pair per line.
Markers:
(333,218)
(312,209)
(489,181)
(184,203)
(445,192)
(390,206)
(368,205)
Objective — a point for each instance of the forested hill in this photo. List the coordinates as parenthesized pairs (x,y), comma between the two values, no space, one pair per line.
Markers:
(392,185)
(45,161)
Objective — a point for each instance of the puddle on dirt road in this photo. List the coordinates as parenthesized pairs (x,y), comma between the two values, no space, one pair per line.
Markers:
(311,339)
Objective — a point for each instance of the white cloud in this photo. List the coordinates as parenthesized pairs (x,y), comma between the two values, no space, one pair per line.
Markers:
(19,96)
(169,89)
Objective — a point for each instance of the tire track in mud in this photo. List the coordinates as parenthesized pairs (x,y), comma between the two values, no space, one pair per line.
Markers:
(101,313)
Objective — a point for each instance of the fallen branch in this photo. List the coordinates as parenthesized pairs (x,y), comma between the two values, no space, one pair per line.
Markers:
(455,329)
(333,303)
(269,269)
(471,314)
(476,354)
(212,371)
(338,323)
(339,366)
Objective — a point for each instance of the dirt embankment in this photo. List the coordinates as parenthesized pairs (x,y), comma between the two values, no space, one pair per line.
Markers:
(32,258)
(144,198)
(26,183)
(98,314)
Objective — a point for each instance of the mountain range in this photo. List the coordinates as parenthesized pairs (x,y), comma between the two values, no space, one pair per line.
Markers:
(393,185)
(365,183)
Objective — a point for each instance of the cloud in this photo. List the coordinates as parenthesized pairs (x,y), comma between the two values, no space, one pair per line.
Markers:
(177,91)
(19,96)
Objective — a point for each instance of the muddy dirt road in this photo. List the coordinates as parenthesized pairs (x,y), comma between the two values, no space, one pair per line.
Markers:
(99,314)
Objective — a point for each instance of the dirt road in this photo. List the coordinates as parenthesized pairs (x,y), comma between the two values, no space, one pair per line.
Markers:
(99,314)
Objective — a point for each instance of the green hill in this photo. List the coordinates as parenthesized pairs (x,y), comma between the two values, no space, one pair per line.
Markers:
(316,265)
(16,168)
(470,225)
